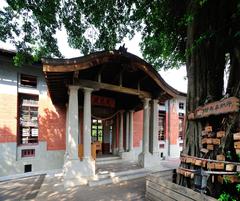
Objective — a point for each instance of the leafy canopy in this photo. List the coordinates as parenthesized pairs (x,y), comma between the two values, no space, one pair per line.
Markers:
(93,25)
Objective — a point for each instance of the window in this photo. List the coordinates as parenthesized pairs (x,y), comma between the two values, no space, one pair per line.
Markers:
(162,103)
(28,119)
(181,125)
(181,105)
(28,168)
(28,153)
(97,130)
(28,81)
(161,125)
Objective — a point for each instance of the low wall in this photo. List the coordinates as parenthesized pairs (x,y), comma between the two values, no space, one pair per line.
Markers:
(159,186)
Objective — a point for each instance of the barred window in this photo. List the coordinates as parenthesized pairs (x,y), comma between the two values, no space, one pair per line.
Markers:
(181,125)
(161,125)
(28,119)
(181,105)
(28,81)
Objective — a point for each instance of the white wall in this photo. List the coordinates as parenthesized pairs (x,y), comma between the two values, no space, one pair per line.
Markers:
(10,154)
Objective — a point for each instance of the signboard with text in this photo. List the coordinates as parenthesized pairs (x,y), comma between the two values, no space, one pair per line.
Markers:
(103,101)
(224,106)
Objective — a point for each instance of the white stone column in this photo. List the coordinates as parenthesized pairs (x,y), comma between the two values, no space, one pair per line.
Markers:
(76,172)
(87,123)
(155,126)
(114,137)
(145,144)
(145,159)
(121,133)
(127,131)
(66,152)
(131,130)
(72,124)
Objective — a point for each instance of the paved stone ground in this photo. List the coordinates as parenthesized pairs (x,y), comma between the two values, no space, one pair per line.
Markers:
(116,167)
(50,188)
(129,190)
(21,189)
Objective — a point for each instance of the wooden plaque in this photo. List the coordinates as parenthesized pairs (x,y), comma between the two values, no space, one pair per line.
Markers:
(204,141)
(220,157)
(210,147)
(220,134)
(203,150)
(209,141)
(211,166)
(198,162)
(237,151)
(219,166)
(224,106)
(237,145)
(236,136)
(208,129)
(230,167)
(216,141)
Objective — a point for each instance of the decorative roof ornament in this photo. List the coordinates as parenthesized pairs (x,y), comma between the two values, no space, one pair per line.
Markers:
(122,48)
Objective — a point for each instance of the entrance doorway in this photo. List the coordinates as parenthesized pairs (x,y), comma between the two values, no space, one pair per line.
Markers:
(101,133)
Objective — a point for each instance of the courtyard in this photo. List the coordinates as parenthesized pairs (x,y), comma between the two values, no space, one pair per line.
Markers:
(51,187)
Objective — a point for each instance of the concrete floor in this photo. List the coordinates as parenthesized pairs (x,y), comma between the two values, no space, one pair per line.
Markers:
(50,188)
(21,189)
(117,167)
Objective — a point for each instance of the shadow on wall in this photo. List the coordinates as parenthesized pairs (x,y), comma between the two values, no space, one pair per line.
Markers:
(52,128)
(6,135)
(7,150)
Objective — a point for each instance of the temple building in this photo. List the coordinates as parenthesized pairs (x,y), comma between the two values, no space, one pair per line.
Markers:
(65,113)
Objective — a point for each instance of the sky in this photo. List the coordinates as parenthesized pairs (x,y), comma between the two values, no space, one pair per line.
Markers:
(175,78)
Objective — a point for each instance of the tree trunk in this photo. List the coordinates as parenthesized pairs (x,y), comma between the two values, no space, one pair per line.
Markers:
(206,50)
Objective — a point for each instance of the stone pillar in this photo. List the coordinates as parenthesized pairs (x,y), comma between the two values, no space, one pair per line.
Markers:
(87,123)
(66,152)
(76,172)
(145,144)
(145,159)
(127,131)
(121,133)
(72,124)
(114,137)
(155,126)
(131,130)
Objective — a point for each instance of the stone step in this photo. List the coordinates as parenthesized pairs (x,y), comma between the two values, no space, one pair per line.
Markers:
(116,177)
(109,161)
(108,158)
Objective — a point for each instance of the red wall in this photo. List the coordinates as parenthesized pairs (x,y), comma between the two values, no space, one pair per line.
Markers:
(8,118)
(137,128)
(166,126)
(52,124)
(174,124)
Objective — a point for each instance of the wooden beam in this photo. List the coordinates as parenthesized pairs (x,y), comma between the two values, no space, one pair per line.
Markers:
(111,87)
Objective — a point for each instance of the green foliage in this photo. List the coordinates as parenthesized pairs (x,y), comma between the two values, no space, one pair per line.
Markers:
(97,25)
(93,25)
(238,157)
(238,188)
(226,179)
(229,155)
(224,197)
(30,25)
(232,191)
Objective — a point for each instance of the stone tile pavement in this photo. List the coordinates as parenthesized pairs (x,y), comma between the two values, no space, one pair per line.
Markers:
(50,188)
